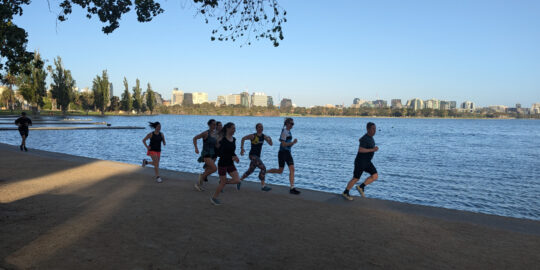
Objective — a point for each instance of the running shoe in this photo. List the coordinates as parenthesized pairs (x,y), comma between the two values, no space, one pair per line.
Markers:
(215,201)
(361,190)
(294,191)
(25,149)
(198,188)
(347,196)
(158,179)
(265,188)
(144,163)
(238,185)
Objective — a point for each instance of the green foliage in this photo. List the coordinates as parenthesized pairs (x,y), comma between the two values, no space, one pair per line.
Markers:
(115,104)
(13,39)
(33,86)
(8,98)
(137,97)
(100,87)
(62,85)
(87,101)
(150,99)
(236,19)
(127,103)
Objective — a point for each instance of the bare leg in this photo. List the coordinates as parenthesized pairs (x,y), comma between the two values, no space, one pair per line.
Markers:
(371,179)
(210,167)
(352,182)
(291,175)
(222,183)
(280,170)
(155,162)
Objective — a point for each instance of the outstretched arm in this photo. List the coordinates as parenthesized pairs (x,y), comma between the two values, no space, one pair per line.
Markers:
(145,139)
(247,137)
(203,135)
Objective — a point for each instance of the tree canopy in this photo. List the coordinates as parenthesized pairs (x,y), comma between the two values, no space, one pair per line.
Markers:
(233,20)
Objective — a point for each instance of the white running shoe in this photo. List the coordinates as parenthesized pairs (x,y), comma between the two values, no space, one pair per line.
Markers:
(198,188)
(159,180)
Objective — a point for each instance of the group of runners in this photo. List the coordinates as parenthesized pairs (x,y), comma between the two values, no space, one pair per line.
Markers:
(219,142)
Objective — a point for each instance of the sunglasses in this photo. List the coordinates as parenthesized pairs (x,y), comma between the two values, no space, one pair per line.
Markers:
(292,124)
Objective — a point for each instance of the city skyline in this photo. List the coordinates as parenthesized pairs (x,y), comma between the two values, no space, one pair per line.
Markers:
(477,50)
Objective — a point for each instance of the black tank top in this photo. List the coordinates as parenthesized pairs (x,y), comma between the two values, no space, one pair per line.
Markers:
(155,142)
(256,145)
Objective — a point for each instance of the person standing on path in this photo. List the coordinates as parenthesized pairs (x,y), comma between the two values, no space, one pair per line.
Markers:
(154,149)
(362,162)
(284,154)
(22,123)
(257,140)
(207,154)
(227,156)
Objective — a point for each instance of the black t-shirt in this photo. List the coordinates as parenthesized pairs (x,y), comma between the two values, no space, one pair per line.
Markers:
(23,122)
(256,145)
(369,143)
(226,152)
(155,142)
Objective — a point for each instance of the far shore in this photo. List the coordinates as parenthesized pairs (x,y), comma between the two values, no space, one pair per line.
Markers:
(15,113)
(59,211)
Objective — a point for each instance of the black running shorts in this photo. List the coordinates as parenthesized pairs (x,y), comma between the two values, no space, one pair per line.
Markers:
(285,157)
(361,166)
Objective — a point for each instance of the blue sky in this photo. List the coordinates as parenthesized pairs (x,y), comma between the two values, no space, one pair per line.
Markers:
(484,51)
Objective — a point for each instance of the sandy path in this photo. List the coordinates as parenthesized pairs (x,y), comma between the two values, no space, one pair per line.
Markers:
(64,212)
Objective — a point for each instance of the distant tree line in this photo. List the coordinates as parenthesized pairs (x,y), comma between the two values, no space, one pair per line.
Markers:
(32,87)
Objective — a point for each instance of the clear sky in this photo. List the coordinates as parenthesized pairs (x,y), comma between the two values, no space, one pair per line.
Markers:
(486,51)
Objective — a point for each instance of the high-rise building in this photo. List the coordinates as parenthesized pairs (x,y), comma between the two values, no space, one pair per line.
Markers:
(356,101)
(415,104)
(177,97)
(453,105)
(396,104)
(286,103)
(220,101)
(200,97)
(188,99)
(518,105)
(444,105)
(233,99)
(379,103)
(535,108)
(244,99)
(270,101)
(111,92)
(432,104)
(259,99)
(468,106)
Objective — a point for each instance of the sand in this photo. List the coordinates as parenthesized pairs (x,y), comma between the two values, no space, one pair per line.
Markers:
(64,212)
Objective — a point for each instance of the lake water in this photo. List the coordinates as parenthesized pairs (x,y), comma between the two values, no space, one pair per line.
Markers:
(488,166)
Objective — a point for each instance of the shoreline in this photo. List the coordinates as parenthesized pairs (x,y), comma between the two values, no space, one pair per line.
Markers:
(280,115)
(59,211)
(478,218)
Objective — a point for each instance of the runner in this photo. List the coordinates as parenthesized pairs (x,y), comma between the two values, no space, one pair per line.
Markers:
(284,154)
(257,139)
(226,145)
(207,154)
(219,126)
(154,149)
(362,162)
(23,122)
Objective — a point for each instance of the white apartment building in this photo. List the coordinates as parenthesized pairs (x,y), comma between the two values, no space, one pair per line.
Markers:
(200,97)
(259,99)
(177,97)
